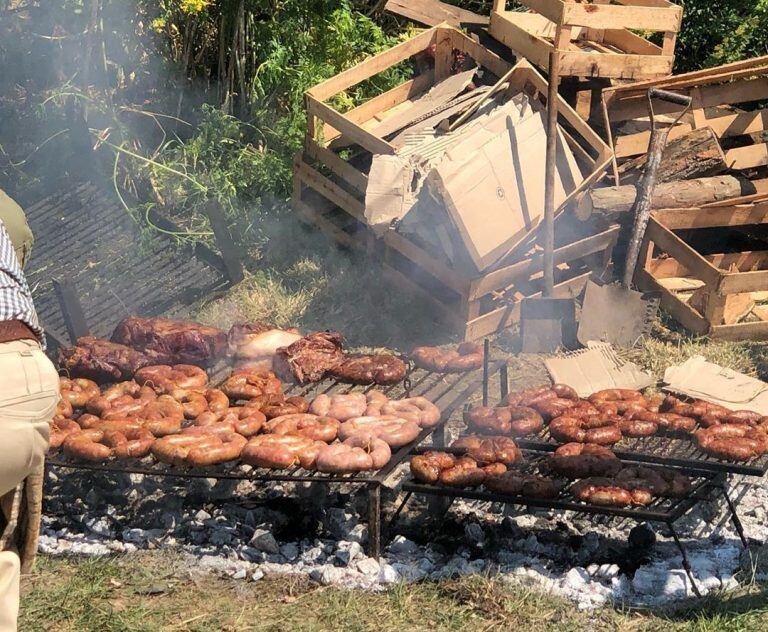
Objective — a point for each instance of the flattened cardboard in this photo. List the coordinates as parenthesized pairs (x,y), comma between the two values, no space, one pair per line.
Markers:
(700,379)
(596,368)
(495,195)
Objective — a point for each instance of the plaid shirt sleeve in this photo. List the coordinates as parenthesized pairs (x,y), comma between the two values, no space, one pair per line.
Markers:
(15,297)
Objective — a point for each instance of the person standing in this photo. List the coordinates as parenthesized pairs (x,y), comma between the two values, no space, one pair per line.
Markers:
(29,394)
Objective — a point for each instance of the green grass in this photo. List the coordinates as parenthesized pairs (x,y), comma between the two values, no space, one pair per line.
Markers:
(160,591)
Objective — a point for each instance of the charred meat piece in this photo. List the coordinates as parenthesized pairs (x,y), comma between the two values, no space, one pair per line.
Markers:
(309,359)
(174,341)
(101,360)
(381,369)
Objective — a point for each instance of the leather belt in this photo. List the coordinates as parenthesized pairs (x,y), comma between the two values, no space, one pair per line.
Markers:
(12,330)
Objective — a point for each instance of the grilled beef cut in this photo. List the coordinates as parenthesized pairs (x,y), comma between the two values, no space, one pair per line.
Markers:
(176,341)
(309,359)
(101,360)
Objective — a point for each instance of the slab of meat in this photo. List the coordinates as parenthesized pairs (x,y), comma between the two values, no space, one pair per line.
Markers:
(309,359)
(101,360)
(175,341)
(254,345)
(381,369)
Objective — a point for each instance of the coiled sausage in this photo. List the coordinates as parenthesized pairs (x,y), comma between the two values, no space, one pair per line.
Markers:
(281,451)
(583,460)
(486,450)
(394,431)
(358,453)
(341,406)
(317,428)
(468,356)
(517,421)
(732,442)
(417,409)
(600,430)
(250,384)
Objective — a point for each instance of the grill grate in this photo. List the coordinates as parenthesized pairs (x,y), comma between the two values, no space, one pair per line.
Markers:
(667,449)
(447,391)
(535,462)
(85,236)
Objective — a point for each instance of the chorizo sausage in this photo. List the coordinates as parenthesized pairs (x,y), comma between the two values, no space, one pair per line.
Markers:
(317,428)
(514,483)
(426,467)
(486,450)
(586,430)
(278,451)
(468,356)
(341,406)
(417,409)
(394,431)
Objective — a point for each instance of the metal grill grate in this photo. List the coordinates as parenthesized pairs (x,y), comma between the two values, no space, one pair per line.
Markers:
(447,391)
(84,236)
(535,462)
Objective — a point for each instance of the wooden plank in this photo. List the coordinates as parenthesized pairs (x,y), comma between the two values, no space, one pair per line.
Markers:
(373,65)
(676,219)
(743,261)
(338,165)
(433,12)
(389,99)
(620,66)
(680,284)
(506,276)
(504,317)
(611,16)
(740,331)
(680,311)
(742,91)
(524,34)
(627,41)
(677,248)
(719,74)
(330,190)
(451,278)
(347,128)
(747,157)
(443,55)
(741,282)
(666,268)
(327,227)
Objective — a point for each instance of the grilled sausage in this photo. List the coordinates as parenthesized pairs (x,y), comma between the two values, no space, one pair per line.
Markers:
(417,409)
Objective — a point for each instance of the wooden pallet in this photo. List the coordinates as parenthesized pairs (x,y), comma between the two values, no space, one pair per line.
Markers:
(329,186)
(726,285)
(714,92)
(479,306)
(594,39)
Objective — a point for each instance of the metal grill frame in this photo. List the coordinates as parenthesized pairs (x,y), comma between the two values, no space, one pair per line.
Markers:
(706,486)
(470,383)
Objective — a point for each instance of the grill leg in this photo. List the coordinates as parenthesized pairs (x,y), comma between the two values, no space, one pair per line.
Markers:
(374,520)
(734,516)
(486,357)
(686,563)
(503,382)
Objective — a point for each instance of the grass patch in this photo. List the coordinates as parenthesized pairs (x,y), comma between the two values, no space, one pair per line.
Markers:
(156,591)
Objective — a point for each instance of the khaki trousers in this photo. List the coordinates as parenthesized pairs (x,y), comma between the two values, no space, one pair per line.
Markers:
(29,392)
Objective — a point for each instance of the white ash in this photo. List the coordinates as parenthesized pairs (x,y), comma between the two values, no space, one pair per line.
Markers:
(285,531)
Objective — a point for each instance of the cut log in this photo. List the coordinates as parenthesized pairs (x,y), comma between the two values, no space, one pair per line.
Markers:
(696,155)
(613,201)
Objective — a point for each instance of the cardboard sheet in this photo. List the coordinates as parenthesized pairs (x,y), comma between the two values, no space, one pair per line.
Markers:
(495,195)
(596,368)
(700,379)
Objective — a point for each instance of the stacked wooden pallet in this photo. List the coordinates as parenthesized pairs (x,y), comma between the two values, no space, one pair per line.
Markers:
(331,179)
(592,39)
